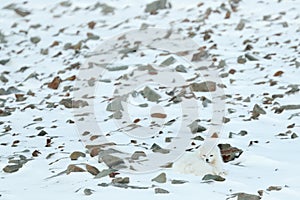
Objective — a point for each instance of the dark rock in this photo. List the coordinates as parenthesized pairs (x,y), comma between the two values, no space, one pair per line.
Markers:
(161,178)
(207,86)
(76,154)
(161,191)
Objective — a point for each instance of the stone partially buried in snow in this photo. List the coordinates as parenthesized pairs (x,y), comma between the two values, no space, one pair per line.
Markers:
(245,196)
(161,178)
(115,105)
(207,86)
(196,128)
(209,177)
(113,162)
(150,94)
(156,5)
(11,168)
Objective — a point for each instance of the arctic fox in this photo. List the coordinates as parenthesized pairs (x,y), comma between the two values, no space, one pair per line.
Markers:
(205,160)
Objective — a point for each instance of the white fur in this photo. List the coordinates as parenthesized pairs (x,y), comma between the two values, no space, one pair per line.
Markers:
(205,160)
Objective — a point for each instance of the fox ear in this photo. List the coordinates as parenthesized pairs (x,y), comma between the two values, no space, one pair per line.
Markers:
(214,135)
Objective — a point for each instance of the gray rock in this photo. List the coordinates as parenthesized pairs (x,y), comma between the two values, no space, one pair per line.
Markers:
(257,110)
(156,5)
(157,149)
(207,86)
(241,60)
(115,105)
(196,128)
(161,191)
(169,61)
(121,180)
(177,182)
(11,168)
(87,191)
(150,94)
(181,68)
(76,154)
(35,40)
(245,196)
(209,177)
(105,173)
(4,61)
(161,178)
(113,161)
(137,154)
(117,68)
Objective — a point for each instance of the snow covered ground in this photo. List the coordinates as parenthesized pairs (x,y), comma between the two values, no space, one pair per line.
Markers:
(255,45)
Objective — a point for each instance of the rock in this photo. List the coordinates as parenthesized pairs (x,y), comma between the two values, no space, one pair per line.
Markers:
(272,188)
(137,154)
(294,135)
(150,94)
(181,68)
(207,86)
(69,103)
(161,191)
(35,40)
(158,115)
(4,61)
(54,83)
(156,5)
(117,68)
(11,168)
(240,25)
(290,107)
(87,191)
(161,178)
(201,55)
(2,38)
(157,149)
(250,57)
(22,12)
(241,60)
(209,177)
(257,110)
(176,182)
(169,61)
(196,128)
(105,173)
(74,168)
(4,113)
(115,105)
(120,180)
(76,154)
(245,196)
(42,133)
(113,161)
(92,170)
(229,153)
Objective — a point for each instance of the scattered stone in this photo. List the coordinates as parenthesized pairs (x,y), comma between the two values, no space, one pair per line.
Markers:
(157,149)
(169,61)
(150,94)
(35,40)
(161,191)
(250,57)
(209,177)
(161,178)
(257,110)
(42,133)
(240,25)
(290,107)
(137,154)
(22,12)
(88,192)
(76,154)
(207,86)
(294,136)
(120,180)
(73,168)
(156,5)
(104,173)
(11,168)
(272,188)
(245,196)
(117,68)
(69,103)
(92,170)
(113,161)
(4,61)
(196,128)
(115,105)
(158,115)
(229,153)
(177,182)
(181,68)
(241,60)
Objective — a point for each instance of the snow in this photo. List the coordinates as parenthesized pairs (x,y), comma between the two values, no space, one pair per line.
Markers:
(272,161)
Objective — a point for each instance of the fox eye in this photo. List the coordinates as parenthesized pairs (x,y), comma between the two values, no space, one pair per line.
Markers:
(211,155)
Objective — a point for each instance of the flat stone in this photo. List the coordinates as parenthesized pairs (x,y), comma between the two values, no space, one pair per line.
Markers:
(161,178)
